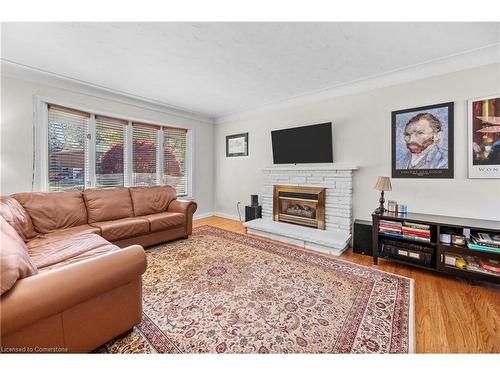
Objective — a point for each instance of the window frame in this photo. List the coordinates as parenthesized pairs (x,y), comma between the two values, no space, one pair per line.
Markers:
(40,144)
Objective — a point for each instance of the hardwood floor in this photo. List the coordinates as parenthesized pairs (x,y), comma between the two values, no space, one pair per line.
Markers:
(451,316)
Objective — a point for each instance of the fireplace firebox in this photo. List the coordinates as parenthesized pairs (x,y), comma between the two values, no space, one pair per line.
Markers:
(303,205)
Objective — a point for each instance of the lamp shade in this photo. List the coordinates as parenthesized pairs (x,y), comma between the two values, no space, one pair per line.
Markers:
(383,184)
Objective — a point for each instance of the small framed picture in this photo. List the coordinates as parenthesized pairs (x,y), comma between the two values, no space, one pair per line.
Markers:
(422,142)
(237,145)
(484,137)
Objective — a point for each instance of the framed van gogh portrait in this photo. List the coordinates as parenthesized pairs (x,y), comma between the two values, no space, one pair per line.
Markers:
(484,137)
(422,142)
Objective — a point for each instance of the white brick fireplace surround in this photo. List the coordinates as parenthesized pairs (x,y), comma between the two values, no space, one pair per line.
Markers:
(337,179)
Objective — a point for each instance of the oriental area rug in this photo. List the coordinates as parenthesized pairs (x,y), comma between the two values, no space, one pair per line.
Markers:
(225,292)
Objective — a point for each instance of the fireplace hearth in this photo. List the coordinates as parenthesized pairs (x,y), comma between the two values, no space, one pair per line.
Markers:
(335,202)
(302,205)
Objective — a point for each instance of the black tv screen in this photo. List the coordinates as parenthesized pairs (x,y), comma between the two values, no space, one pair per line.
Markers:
(305,144)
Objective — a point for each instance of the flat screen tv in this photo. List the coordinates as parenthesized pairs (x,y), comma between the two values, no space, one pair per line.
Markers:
(305,144)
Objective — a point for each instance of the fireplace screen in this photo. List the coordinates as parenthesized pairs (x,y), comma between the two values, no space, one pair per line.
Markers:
(301,205)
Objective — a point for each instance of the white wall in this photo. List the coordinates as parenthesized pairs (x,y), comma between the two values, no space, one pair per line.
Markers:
(16,154)
(362,136)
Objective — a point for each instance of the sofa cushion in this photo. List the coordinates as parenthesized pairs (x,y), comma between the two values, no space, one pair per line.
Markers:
(99,250)
(151,200)
(15,262)
(61,234)
(123,228)
(55,210)
(15,214)
(60,250)
(108,204)
(165,220)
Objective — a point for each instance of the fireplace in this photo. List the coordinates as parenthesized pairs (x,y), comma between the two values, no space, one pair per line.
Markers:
(303,205)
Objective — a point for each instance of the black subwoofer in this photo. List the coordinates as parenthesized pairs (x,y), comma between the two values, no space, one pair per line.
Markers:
(253,212)
(362,242)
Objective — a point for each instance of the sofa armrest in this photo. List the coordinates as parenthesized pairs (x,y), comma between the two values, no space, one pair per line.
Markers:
(52,292)
(187,208)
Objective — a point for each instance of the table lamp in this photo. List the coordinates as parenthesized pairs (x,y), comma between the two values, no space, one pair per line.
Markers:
(383,184)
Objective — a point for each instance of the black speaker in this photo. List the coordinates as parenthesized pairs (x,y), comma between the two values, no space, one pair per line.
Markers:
(362,243)
(254,200)
(253,212)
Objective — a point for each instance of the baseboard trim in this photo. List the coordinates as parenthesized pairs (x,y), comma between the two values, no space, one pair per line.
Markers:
(216,213)
(203,215)
(226,216)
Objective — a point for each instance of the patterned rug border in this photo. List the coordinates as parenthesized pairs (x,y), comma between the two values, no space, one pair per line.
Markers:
(287,250)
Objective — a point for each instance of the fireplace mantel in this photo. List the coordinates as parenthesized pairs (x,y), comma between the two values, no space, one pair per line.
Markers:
(308,167)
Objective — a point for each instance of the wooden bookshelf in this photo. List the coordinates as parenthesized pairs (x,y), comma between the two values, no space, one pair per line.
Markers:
(439,251)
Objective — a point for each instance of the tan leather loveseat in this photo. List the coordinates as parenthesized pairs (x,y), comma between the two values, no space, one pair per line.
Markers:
(72,262)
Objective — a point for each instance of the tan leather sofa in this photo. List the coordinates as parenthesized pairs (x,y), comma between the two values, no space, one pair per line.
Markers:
(72,262)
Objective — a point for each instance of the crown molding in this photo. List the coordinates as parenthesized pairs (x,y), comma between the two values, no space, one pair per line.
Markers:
(28,73)
(470,59)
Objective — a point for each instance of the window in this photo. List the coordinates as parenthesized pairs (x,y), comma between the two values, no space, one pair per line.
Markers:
(174,159)
(67,142)
(84,149)
(145,160)
(109,151)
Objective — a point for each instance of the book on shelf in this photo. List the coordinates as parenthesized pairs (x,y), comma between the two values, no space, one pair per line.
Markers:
(474,244)
(417,226)
(405,236)
(391,222)
(487,244)
(425,234)
(394,234)
(390,225)
(391,229)
(409,231)
(416,230)
(474,264)
(490,265)
(489,239)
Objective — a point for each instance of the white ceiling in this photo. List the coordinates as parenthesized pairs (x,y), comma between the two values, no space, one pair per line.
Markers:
(223,68)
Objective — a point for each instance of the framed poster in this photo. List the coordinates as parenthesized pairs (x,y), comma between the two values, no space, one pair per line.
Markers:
(237,145)
(484,137)
(422,142)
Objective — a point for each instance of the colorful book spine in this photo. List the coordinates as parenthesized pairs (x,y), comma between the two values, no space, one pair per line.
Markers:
(482,243)
(382,229)
(394,234)
(489,266)
(488,239)
(389,227)
(416,229)
(425,234)
(474,246)
(417,226)
(485,239)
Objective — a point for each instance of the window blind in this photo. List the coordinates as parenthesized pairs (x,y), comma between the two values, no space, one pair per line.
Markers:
(118,154)
(67,144)
(144,155)
(109,151)
(174,159)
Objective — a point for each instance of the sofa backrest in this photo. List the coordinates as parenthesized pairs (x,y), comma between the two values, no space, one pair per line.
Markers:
(15,262)
(54,210)
(108,204)
(15,214)
(151,200)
